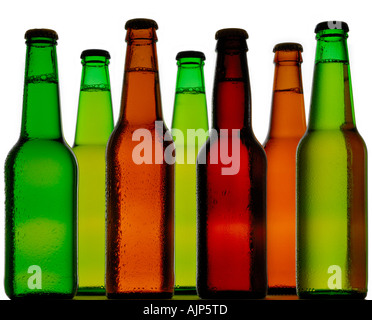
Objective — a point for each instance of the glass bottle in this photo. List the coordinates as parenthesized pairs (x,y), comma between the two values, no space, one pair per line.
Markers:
(287,126)
(93,128)
(231,184)
(41,186)
(332,180)
(140,179)
(190,130)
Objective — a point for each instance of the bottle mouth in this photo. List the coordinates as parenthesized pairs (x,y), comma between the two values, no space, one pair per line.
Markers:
(288,52)
(288,46)
(331,25)
(95,52)
(233,39)
(47,36)
(190,54)
(141,23)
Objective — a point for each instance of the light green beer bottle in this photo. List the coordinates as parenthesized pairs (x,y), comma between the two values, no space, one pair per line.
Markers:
(190,131)
(332,180)
(41,186)
(93,128)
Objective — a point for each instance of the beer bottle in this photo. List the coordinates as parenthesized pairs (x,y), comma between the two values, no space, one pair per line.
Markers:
(140,179)
(231,184)
(190,130)
(93,128)
(41,186)
(332,180)
(287,126)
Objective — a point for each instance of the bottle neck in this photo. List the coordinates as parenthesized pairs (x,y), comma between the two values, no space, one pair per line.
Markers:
(332,101)
(288,111)
(95,119)
(190,76)
(190,105)
(41,111)
(141,104)
(231,92)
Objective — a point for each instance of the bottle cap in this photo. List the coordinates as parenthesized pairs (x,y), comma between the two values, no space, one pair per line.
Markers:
(231,33)
(190,54)
(95,52)
(41,33)
(288,46)
(141,24)
(326,25)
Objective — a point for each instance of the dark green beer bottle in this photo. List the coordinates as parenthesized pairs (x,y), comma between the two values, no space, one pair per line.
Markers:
(190,131)
(41,186)
(93,128)
(332,180)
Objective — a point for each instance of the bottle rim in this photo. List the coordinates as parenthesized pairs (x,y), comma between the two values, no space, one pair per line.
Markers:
(288,46)
(41,33)
(231,33)
(331,25)
(190,54)
(95,52)
(141,23)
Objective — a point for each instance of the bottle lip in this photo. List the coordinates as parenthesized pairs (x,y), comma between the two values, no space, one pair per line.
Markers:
(231,33)
(288,46)
(331,25)
(190,54)
(95,52)
(141,23)
(41,33)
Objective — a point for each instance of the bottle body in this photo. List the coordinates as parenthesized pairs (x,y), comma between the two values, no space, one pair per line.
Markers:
(140,203)
(190,116)
(41,187)
(287,127)
(231,225)
(94,126)
(332,183)
(231,205)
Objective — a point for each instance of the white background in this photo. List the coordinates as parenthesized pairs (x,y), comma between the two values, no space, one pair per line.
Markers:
(183,25)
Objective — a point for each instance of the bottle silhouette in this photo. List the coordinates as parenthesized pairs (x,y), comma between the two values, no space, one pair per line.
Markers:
(331,180)
(41,186)
(93,128)
(140,179)
(190,130)
(231,184)
(287,126)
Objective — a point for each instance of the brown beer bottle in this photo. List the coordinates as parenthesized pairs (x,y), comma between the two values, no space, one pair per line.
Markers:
(140,179)
(287,126)
(231,184)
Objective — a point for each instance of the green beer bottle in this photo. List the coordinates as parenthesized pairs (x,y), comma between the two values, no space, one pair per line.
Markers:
(190,131)
(93,128)
(41,186)
(332,180)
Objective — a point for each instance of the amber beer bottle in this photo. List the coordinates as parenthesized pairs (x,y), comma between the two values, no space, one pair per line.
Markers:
(140,179)
(231,184)
(287,126)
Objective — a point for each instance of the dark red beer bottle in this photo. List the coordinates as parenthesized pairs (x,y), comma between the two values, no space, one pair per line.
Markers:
(231,184)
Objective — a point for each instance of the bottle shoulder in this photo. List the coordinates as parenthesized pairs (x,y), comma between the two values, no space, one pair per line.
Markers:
(332,141)
(244,144)
(41,149)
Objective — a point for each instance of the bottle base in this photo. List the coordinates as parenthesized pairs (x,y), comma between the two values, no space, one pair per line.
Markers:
(188,291)
(207,294)
(91,291)
(139,295)
(332,294)
(41,296)
(279,291)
